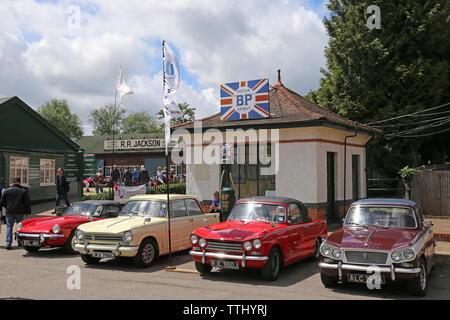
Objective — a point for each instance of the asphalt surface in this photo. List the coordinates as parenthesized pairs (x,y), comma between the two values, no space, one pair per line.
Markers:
(43,275)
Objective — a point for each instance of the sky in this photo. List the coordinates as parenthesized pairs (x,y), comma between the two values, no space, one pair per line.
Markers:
(73,49)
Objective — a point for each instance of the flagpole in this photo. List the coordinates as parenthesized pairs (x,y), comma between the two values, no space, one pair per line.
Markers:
(170,267)
(114,143)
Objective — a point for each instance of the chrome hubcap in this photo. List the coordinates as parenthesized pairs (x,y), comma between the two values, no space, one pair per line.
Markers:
(73,243)
(275,263)
(147,253)
(423,277)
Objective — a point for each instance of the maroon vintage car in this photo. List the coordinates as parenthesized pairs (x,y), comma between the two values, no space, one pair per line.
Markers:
(265,233)
(382,240)
(36,233)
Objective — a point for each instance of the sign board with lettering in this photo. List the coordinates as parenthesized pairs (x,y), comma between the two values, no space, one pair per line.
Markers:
(244,100)
(131,144)
(89,165)
(71,167)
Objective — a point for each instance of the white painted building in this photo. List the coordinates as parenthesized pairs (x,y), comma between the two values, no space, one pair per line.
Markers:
(310,147)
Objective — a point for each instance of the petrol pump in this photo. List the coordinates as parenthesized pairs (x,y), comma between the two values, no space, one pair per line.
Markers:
(227,193)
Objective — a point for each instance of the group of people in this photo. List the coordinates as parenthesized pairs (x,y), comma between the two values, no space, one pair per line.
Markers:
(142,177)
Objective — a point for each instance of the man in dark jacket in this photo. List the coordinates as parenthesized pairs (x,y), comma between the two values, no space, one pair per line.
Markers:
(115,175)
(143,177)
(62,187)
(16,200)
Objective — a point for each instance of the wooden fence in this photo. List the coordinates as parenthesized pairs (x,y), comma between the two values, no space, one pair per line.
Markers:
(431,190)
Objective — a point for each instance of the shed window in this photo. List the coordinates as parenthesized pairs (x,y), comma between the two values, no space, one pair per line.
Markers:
(19,168)
(47,172)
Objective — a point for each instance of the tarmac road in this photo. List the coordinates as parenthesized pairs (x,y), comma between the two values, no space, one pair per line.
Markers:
(43,275)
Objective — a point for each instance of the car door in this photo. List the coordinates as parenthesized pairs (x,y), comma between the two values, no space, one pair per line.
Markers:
(301,232)
(181,225)
(428,235)
(293,233)
(198,218)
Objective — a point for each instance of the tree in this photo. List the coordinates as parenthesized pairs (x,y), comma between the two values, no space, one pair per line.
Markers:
(406,174)
(188,114)
(57,112)
(375,74)
(140,122)
(107,120)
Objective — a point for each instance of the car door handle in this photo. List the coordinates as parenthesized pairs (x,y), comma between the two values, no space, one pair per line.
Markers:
(205,220)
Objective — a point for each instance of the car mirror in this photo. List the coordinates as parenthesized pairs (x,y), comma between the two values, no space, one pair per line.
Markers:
(428,223)
(147,219)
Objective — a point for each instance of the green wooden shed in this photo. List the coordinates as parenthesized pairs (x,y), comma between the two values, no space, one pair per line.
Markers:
(33,149)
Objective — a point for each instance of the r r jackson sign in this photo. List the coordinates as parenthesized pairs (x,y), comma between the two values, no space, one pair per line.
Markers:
(134,144)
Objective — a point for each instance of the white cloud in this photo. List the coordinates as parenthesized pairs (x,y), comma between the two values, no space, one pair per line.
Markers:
(42,57)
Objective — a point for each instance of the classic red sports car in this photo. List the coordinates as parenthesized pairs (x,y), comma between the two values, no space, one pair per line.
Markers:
(35,233)
(265,233)
(382,240)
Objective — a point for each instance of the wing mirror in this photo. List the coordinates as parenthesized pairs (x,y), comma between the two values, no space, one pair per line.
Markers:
(428,223)
(147,219)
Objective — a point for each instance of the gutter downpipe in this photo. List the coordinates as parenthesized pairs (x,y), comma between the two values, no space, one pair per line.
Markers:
(345,164)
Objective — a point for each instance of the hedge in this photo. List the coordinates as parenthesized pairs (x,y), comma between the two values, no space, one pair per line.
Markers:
(99,196)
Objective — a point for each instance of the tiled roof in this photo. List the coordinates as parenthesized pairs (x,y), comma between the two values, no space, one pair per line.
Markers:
(287,109)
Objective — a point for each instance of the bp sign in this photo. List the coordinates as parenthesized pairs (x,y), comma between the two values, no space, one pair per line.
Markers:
(244,100)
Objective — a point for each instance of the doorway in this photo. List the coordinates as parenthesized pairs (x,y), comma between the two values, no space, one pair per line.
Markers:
(331,187)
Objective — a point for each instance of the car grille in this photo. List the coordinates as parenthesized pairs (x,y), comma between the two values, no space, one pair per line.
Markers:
(224,246)
(103,237)
(366,257)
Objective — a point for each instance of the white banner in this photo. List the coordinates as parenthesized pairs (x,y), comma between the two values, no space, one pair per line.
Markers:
(122,88)
(171,74)
(124,193)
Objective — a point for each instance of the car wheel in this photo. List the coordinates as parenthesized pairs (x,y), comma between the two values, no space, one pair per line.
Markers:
(32,249)
(147,253)
(272,268)
(89,259)
(316,254)
(419,285)
(203,267)
(70,244)
(328,281)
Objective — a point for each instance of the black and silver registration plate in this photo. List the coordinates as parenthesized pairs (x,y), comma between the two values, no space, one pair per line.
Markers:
(103,254)
(364,278)
(31,243)
(223,264)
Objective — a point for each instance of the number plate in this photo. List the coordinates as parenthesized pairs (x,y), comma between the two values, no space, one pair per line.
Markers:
(31,243)
(98,254)
(362,278)
(225,264)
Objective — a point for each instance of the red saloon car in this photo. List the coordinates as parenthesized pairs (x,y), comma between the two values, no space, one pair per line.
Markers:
(264,233)
(36,233)
(382,240)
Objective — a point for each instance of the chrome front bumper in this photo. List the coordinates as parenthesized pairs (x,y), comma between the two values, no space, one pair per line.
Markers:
(117,250)
(223,256)
(38,235)
(353,267)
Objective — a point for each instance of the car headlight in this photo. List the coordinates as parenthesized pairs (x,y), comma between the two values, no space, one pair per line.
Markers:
(396,256)
(202,242)
(336,253)
(194,239)
(79,234)
(128,236)
(56,228)
(19,226)
(408,254)
(257,244)
(326,250)
(247,246)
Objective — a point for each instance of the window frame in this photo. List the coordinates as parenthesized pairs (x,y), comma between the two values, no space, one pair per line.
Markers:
(299,214)
(51,172)
(189,211)
(24,182)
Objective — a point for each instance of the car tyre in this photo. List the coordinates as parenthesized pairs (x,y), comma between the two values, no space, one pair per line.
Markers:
(147,253)
(69,247)
(419,285)
(272,268)
(203,267)
(89,259)
(31,249)
(328,281)
(316,254)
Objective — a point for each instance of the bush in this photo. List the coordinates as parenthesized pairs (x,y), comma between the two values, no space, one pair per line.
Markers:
(99,196)
(179,188)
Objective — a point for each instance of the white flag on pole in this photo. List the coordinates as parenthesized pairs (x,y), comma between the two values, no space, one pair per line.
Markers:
(122,88)
(167,119)
(171,74)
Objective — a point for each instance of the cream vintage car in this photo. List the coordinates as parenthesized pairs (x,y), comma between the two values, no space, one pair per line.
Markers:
(140,231)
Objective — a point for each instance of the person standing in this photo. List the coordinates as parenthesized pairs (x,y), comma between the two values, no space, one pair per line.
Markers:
(135,175)
(62,187)
(115,175)
(99,181)
(16,200)
(143,177)
(128,178)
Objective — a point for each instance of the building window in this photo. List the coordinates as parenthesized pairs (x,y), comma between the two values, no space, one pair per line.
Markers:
(19,168)
(47,172)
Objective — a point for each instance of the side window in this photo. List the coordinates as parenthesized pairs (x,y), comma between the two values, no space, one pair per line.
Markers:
(420,217)
(193,207)
(294,213)
(111,212)
(178,209)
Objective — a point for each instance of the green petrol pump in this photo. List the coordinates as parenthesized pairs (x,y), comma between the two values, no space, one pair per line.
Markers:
(227,194)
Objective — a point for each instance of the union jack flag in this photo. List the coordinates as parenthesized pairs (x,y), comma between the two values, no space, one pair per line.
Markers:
(244,100)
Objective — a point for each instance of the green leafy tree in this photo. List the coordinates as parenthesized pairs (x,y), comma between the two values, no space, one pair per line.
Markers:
(188,114)
(406,174)
(375,74)
(57,112)
(107,120)
(140,122)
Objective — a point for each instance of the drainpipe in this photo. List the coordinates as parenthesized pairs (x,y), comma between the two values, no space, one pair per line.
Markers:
(345,163)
